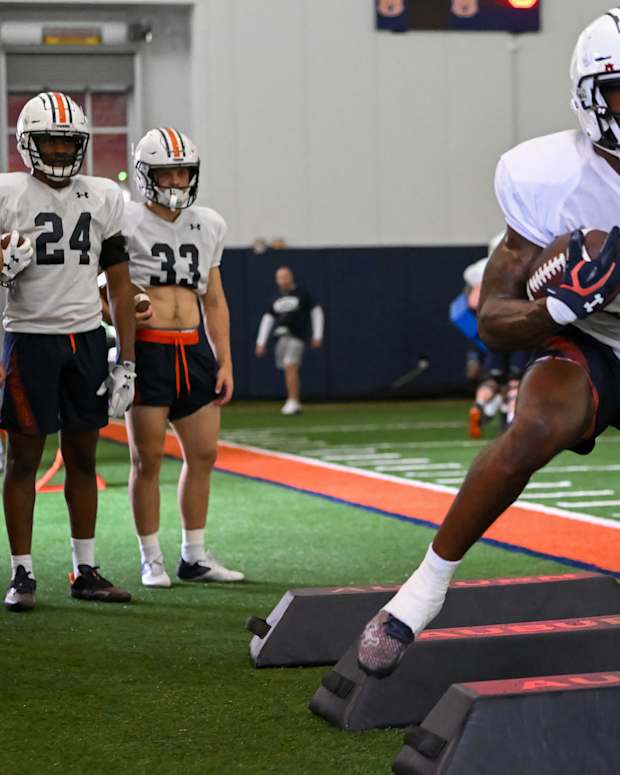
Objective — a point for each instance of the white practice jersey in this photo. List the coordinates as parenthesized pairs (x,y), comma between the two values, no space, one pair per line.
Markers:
(58,293)
(555,184)
(180,252)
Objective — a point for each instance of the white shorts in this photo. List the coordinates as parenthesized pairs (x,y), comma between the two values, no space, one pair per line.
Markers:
(289,351)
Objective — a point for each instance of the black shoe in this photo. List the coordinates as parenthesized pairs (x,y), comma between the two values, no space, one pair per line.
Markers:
(20,593)
(188,571)
(90,585)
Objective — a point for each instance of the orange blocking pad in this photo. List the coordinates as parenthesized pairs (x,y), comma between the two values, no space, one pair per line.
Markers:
(543,531)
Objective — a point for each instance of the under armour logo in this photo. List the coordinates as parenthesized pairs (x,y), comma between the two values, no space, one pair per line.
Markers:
(81,194)
(609,68)
(590,306)
(193,226)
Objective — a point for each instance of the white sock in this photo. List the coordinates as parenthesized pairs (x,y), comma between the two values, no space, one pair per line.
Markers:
(21,559)
(421,597)
(193,545)
(82,553)
(149,547)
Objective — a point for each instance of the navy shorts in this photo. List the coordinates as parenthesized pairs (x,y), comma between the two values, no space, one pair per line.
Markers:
(603,370)
(503,367)
(176,369)
(52,381)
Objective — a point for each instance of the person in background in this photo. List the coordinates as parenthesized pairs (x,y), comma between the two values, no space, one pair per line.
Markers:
(295,319)
(496,374)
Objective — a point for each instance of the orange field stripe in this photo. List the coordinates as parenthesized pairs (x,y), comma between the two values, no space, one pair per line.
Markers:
(540,532)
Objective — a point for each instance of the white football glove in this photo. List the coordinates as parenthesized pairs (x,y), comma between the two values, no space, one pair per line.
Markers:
(16,257)
(119,385)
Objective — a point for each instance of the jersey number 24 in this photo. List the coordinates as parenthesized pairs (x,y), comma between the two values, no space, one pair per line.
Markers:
(79,239)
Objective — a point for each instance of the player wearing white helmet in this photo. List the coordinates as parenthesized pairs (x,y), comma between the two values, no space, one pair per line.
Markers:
(547,187)
(55,354)
(175,250)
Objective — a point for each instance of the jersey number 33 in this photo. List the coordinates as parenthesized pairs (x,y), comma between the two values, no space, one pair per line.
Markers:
(175,272)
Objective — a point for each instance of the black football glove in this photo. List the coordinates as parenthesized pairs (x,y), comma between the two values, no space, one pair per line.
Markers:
(588,286)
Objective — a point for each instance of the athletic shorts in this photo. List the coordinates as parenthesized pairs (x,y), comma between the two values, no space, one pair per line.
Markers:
(52,381)
(503,367)
(603,370)
(176,369)
(289,351)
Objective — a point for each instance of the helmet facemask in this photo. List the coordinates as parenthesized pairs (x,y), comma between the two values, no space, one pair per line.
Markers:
(591,96)
(171,197)
(55,166)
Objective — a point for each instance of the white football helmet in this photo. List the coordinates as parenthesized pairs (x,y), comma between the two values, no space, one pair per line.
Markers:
(160,148)
(56,115)
(596,61)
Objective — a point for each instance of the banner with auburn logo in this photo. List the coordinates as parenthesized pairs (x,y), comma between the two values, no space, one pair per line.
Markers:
(460,15)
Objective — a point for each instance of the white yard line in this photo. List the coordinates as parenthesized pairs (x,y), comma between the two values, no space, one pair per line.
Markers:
(567,494)
(551,510)
(367,456)
(548,485)
(410,465)
(447,480)
(579,469)
(349,428)
(588,505)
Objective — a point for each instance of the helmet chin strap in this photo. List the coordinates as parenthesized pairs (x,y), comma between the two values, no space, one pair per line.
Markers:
(176,197)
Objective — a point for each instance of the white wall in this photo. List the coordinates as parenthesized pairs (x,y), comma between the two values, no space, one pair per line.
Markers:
(327,132)
(317,128)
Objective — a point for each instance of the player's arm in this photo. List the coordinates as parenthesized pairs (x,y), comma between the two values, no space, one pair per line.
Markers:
(114,261)
(507,320)
(317,318)
(217,322)
(264,329)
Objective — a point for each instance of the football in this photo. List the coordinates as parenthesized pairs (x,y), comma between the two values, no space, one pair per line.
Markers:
(548,269)
(142,302)
(6,238)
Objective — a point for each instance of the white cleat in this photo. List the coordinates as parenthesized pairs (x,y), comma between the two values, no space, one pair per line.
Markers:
(206,570)
(154,574)
(292,406)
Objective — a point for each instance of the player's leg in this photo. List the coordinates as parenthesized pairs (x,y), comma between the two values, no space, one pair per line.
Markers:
(82,412)
(79,454)
(29,412)
(146,427)
(198,434)
(488,398)
(556,410)
(22,461)
(292,355)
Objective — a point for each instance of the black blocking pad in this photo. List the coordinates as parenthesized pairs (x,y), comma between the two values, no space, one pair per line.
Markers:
(315,626)
(565,724)
(350,699)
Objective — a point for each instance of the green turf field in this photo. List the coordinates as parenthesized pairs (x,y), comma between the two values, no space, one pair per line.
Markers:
(164,685)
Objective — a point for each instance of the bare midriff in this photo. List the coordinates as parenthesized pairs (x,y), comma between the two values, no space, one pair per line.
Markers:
(173,306)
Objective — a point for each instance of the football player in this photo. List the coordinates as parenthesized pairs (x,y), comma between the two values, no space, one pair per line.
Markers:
(175,251)
(54,353)
(546,187)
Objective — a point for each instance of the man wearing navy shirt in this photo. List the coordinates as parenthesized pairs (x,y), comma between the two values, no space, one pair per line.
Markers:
(295,319)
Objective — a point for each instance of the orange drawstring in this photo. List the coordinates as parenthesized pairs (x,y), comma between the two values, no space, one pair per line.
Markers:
(73,345)
(180,347)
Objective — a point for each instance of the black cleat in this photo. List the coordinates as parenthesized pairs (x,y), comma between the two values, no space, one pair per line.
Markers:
(20,593)
(90,585)
(383,644)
